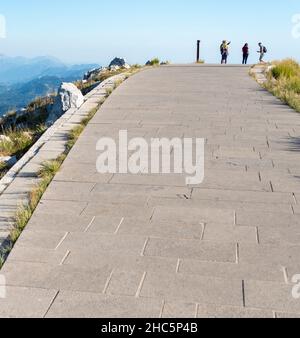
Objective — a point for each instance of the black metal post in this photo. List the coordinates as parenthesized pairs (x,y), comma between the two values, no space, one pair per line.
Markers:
(198,50)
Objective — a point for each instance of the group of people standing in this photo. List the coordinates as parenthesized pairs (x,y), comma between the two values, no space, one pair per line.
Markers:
(224,48)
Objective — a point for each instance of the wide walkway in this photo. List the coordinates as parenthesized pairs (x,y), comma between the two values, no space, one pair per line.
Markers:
(150,246)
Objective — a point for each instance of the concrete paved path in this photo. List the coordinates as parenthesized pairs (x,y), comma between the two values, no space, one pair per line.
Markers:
(149,246)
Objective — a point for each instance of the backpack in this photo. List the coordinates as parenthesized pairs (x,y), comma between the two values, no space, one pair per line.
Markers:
(265,50)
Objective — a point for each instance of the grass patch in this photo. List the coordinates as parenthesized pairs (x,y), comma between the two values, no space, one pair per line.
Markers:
(18,143)
(109,91)
(283,81)
(20,140)
(4,168)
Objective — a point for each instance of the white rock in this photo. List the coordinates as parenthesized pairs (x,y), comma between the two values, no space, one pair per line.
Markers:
(10,161)
(92,73)
(120,62)
(69,96)
(114,68)
(4,138)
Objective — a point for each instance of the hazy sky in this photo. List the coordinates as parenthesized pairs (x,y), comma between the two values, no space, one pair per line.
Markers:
(98,30)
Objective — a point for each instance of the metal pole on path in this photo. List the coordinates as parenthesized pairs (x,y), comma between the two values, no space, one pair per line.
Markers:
(198,50)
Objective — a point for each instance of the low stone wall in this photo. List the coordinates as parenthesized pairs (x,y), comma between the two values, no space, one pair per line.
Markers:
(22,178)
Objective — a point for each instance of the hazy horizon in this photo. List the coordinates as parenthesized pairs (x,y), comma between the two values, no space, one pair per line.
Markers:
(97,31)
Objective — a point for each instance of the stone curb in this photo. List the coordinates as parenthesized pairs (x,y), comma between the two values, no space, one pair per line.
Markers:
(20,180)
(259,73)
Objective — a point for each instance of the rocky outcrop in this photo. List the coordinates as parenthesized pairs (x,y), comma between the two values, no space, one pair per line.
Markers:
(92,74)
(118,63)
(69,96)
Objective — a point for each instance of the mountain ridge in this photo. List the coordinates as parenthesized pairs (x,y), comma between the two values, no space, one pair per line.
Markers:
(23,79)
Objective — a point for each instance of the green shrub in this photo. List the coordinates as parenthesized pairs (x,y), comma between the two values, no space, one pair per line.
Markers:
(154,62)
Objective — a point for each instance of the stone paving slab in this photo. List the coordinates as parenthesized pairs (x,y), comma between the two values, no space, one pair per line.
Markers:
(150,246)
(26,302)
(89,305)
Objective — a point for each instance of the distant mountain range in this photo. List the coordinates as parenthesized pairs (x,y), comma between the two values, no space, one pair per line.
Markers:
(23,79)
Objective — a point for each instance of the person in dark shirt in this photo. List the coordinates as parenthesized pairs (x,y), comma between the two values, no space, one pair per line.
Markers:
(245,53)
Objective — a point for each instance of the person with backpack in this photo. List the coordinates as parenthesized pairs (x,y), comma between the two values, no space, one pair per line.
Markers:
(262,51)
(224,48)
(245,53)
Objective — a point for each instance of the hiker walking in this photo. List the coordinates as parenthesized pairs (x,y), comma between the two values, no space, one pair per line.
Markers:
(224,48)
(262,51)
(245,53)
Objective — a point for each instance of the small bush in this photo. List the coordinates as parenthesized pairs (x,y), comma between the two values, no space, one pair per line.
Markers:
(154,62)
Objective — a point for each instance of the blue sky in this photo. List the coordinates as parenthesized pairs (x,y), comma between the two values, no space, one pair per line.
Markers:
(96,30)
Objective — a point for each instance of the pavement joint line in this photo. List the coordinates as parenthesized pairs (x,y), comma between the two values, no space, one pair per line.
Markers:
(52,302)
(90,224)
(86,206)
(108,282)
(162,309)
(293,210)
(111,178)
(243,292)
(65,258)
(259,177)
(237,254)
(295,198)
(119,226)
(273,163)
(61,241)
(204,225)
(93,188)
(152,215)
(285,275)
(257,235)
(144,247)
(137,295)
(178,265)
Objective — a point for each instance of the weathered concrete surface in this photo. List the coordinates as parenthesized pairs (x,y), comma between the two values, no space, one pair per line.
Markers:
(149,246)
